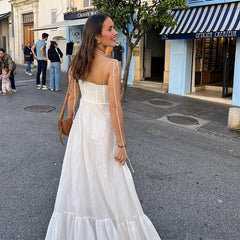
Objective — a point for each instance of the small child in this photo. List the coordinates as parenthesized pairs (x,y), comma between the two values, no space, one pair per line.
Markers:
(5,81)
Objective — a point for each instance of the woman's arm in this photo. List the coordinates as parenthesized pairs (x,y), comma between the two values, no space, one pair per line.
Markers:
(115,109)
(60,52)
(33,51)
(73,94)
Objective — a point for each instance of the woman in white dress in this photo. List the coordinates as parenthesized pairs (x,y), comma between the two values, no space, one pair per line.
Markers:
(96,198)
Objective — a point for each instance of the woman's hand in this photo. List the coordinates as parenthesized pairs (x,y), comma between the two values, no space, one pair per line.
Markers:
(120,155)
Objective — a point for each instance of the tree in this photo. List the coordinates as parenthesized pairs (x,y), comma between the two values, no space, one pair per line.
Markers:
(135,18)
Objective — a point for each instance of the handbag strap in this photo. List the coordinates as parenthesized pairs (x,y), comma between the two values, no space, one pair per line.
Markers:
(58,53)
(60,118)
(64,104)
(63,109)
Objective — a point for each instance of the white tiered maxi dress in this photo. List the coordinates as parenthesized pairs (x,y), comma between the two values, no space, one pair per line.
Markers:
(96,198)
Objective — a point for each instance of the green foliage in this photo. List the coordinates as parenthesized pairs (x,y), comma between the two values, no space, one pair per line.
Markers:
(142,15)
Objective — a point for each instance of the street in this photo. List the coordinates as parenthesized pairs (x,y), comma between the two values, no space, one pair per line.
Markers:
(187,176)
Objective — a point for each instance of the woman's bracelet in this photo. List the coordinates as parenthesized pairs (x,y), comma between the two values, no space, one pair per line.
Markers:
(122,146)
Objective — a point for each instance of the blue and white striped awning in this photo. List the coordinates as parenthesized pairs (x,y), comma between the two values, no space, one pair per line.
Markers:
(222,20)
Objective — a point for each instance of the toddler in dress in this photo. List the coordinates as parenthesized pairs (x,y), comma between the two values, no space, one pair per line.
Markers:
(5,82)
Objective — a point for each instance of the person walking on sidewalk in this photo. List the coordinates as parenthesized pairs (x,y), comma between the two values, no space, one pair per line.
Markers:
(5,82)
(55,55)
(7,62)
(40,46)
(28,55)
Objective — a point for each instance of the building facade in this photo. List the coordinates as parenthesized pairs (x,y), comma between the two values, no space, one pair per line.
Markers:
(5,25)
(204,51)
(75,5)
(30,14)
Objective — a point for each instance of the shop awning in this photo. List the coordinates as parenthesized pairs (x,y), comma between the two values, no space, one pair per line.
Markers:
(4,15)
(65,23)
(222,20)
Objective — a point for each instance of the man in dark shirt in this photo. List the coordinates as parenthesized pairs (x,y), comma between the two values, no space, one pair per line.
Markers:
(117,52)
(41,57)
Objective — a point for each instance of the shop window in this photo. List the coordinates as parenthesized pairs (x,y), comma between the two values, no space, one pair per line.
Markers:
(87,3)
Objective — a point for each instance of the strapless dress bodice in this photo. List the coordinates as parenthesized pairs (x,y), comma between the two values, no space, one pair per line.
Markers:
(94,93)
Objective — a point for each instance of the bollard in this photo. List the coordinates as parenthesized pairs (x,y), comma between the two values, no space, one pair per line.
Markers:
(234,118)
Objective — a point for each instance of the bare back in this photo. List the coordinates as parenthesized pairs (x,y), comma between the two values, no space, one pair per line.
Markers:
(100,70)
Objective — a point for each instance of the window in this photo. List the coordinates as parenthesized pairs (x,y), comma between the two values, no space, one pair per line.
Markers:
(54,15)
(87,3)
(72,4)
(28,18)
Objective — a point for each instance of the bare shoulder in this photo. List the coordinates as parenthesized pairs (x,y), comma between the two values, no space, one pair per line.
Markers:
(113,65)
(114,70)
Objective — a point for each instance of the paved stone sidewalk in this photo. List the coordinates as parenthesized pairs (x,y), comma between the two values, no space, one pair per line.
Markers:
(213,115)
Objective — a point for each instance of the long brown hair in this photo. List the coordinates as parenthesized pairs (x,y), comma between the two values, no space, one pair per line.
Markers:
(52,45)
(82,61)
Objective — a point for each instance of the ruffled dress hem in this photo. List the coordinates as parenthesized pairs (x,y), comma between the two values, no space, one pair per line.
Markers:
(69,226)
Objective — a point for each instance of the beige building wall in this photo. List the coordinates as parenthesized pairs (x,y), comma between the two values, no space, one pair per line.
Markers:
(138,74)
(45,17)
(166,61)
(5,6)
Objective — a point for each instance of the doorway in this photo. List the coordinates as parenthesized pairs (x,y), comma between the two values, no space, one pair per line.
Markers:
(213,67)
(28,24)
(154,55)
(28,35)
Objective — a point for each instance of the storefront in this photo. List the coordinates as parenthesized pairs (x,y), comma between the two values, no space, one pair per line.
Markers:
(214,64)
(204,52)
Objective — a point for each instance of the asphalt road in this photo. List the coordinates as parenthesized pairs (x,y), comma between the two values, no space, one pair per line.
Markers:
(188,180)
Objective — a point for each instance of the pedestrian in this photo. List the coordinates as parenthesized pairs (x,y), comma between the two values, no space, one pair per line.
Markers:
(96,196)
(55,56)
(7,62)
(117,52)
(41,57)
(28,55)
(5,81)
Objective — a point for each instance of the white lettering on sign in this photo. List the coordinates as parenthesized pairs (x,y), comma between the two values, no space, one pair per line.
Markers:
(203,35)
(164,37)
(224,34)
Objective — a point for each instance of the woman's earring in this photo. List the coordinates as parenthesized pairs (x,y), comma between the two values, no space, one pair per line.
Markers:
(99,41)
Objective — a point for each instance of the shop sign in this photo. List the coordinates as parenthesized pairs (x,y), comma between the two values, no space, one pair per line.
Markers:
(223,34)
(79,15)
(203,35)
(136,51)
